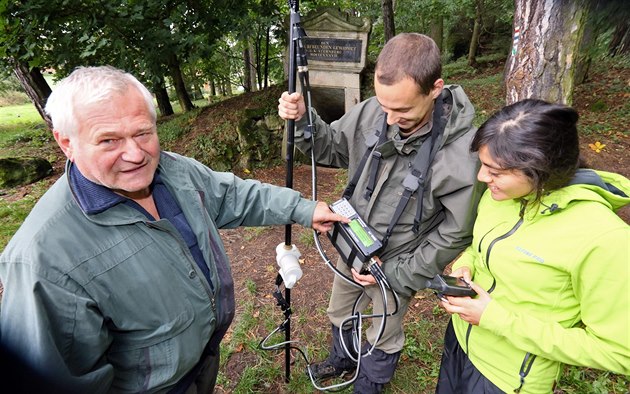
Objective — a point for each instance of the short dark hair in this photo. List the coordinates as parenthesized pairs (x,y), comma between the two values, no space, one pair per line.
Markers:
(410,55)
(536,137)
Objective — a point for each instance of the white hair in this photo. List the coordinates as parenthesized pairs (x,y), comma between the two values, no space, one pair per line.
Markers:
(86,86)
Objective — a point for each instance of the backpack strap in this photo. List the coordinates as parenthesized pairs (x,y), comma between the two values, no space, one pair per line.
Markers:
(372,142)
(439,124)
(415,179)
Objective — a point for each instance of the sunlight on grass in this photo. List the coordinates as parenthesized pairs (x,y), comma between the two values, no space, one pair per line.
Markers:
(19,114)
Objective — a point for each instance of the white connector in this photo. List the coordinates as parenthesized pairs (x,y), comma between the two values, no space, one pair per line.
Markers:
(287,258)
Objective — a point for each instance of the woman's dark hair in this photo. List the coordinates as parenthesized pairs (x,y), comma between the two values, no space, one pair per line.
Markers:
(536,137)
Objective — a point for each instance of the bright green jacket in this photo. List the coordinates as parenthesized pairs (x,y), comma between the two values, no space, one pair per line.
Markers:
(558,278)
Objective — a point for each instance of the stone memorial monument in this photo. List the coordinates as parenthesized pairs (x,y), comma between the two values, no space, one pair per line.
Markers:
(336,48)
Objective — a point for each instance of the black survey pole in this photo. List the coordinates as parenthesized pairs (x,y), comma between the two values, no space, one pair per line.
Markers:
(294,25)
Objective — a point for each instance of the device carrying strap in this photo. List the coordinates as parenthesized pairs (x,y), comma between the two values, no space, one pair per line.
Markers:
(372,142)
(415,179)
(423,161)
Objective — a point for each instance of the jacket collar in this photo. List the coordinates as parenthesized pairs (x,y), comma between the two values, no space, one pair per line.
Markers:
(92,197)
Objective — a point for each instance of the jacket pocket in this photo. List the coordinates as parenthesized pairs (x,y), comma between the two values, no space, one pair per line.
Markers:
(137,339)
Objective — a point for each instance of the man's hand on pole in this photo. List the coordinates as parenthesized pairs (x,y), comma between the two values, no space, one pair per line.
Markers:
(291,106)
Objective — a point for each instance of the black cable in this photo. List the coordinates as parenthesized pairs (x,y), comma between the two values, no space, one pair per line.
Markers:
(356,320)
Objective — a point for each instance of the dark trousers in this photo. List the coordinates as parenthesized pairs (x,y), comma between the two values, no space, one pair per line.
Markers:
(457,374)
(375,370)
(207,378)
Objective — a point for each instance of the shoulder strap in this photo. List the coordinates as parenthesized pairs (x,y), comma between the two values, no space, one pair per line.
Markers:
(417,175)
(372,142)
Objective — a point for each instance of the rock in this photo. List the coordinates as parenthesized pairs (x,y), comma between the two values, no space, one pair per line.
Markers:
(16,171)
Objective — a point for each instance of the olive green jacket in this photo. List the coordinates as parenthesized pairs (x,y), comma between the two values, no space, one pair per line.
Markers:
(451,192)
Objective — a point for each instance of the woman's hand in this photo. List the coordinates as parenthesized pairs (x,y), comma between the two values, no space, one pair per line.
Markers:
(469,309)
(464,273)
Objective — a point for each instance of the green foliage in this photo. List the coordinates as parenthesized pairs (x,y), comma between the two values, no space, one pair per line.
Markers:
(599,106)
(306,238)
(461,68)
(342,180)
(10,83)
(149,39)
(9,98)
(12,214)
(455,17)
(418,370)
(575,380)
(253,232)
(217,150)
(34,133)
(458,67)
(251,286)
(174,128)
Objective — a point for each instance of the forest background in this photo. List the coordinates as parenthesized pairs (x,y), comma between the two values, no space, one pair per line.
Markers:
(216,64)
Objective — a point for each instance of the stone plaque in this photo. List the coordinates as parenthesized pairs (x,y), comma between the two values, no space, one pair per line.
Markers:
(333,49)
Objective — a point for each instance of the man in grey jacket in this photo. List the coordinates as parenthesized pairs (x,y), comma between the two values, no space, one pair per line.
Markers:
(118,280)
(413,114)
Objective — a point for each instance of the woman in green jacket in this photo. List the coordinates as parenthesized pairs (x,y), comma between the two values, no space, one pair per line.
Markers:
(549,261)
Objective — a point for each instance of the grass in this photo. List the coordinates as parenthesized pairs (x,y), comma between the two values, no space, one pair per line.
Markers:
(173,128)
(417,371)
(12,214)
(20,114)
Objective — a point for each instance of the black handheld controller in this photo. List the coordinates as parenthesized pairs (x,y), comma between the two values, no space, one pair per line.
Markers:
(450,285)
(360,242)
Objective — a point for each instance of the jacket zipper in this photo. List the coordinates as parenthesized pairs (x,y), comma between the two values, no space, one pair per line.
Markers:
(494,241)
(528,360)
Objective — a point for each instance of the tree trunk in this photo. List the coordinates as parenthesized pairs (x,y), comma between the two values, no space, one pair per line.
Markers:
(437,31)
(213,88)
(546,41)
(35,86)
(163,102)
(620,41)
(389,29)
(253,54)
(247,78)
(198,93)
(180,85)
(584,57)
(267,43)
(474,40)
(226,87)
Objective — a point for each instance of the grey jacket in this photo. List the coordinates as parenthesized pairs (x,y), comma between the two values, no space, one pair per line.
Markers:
(116,303)
(451,192)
